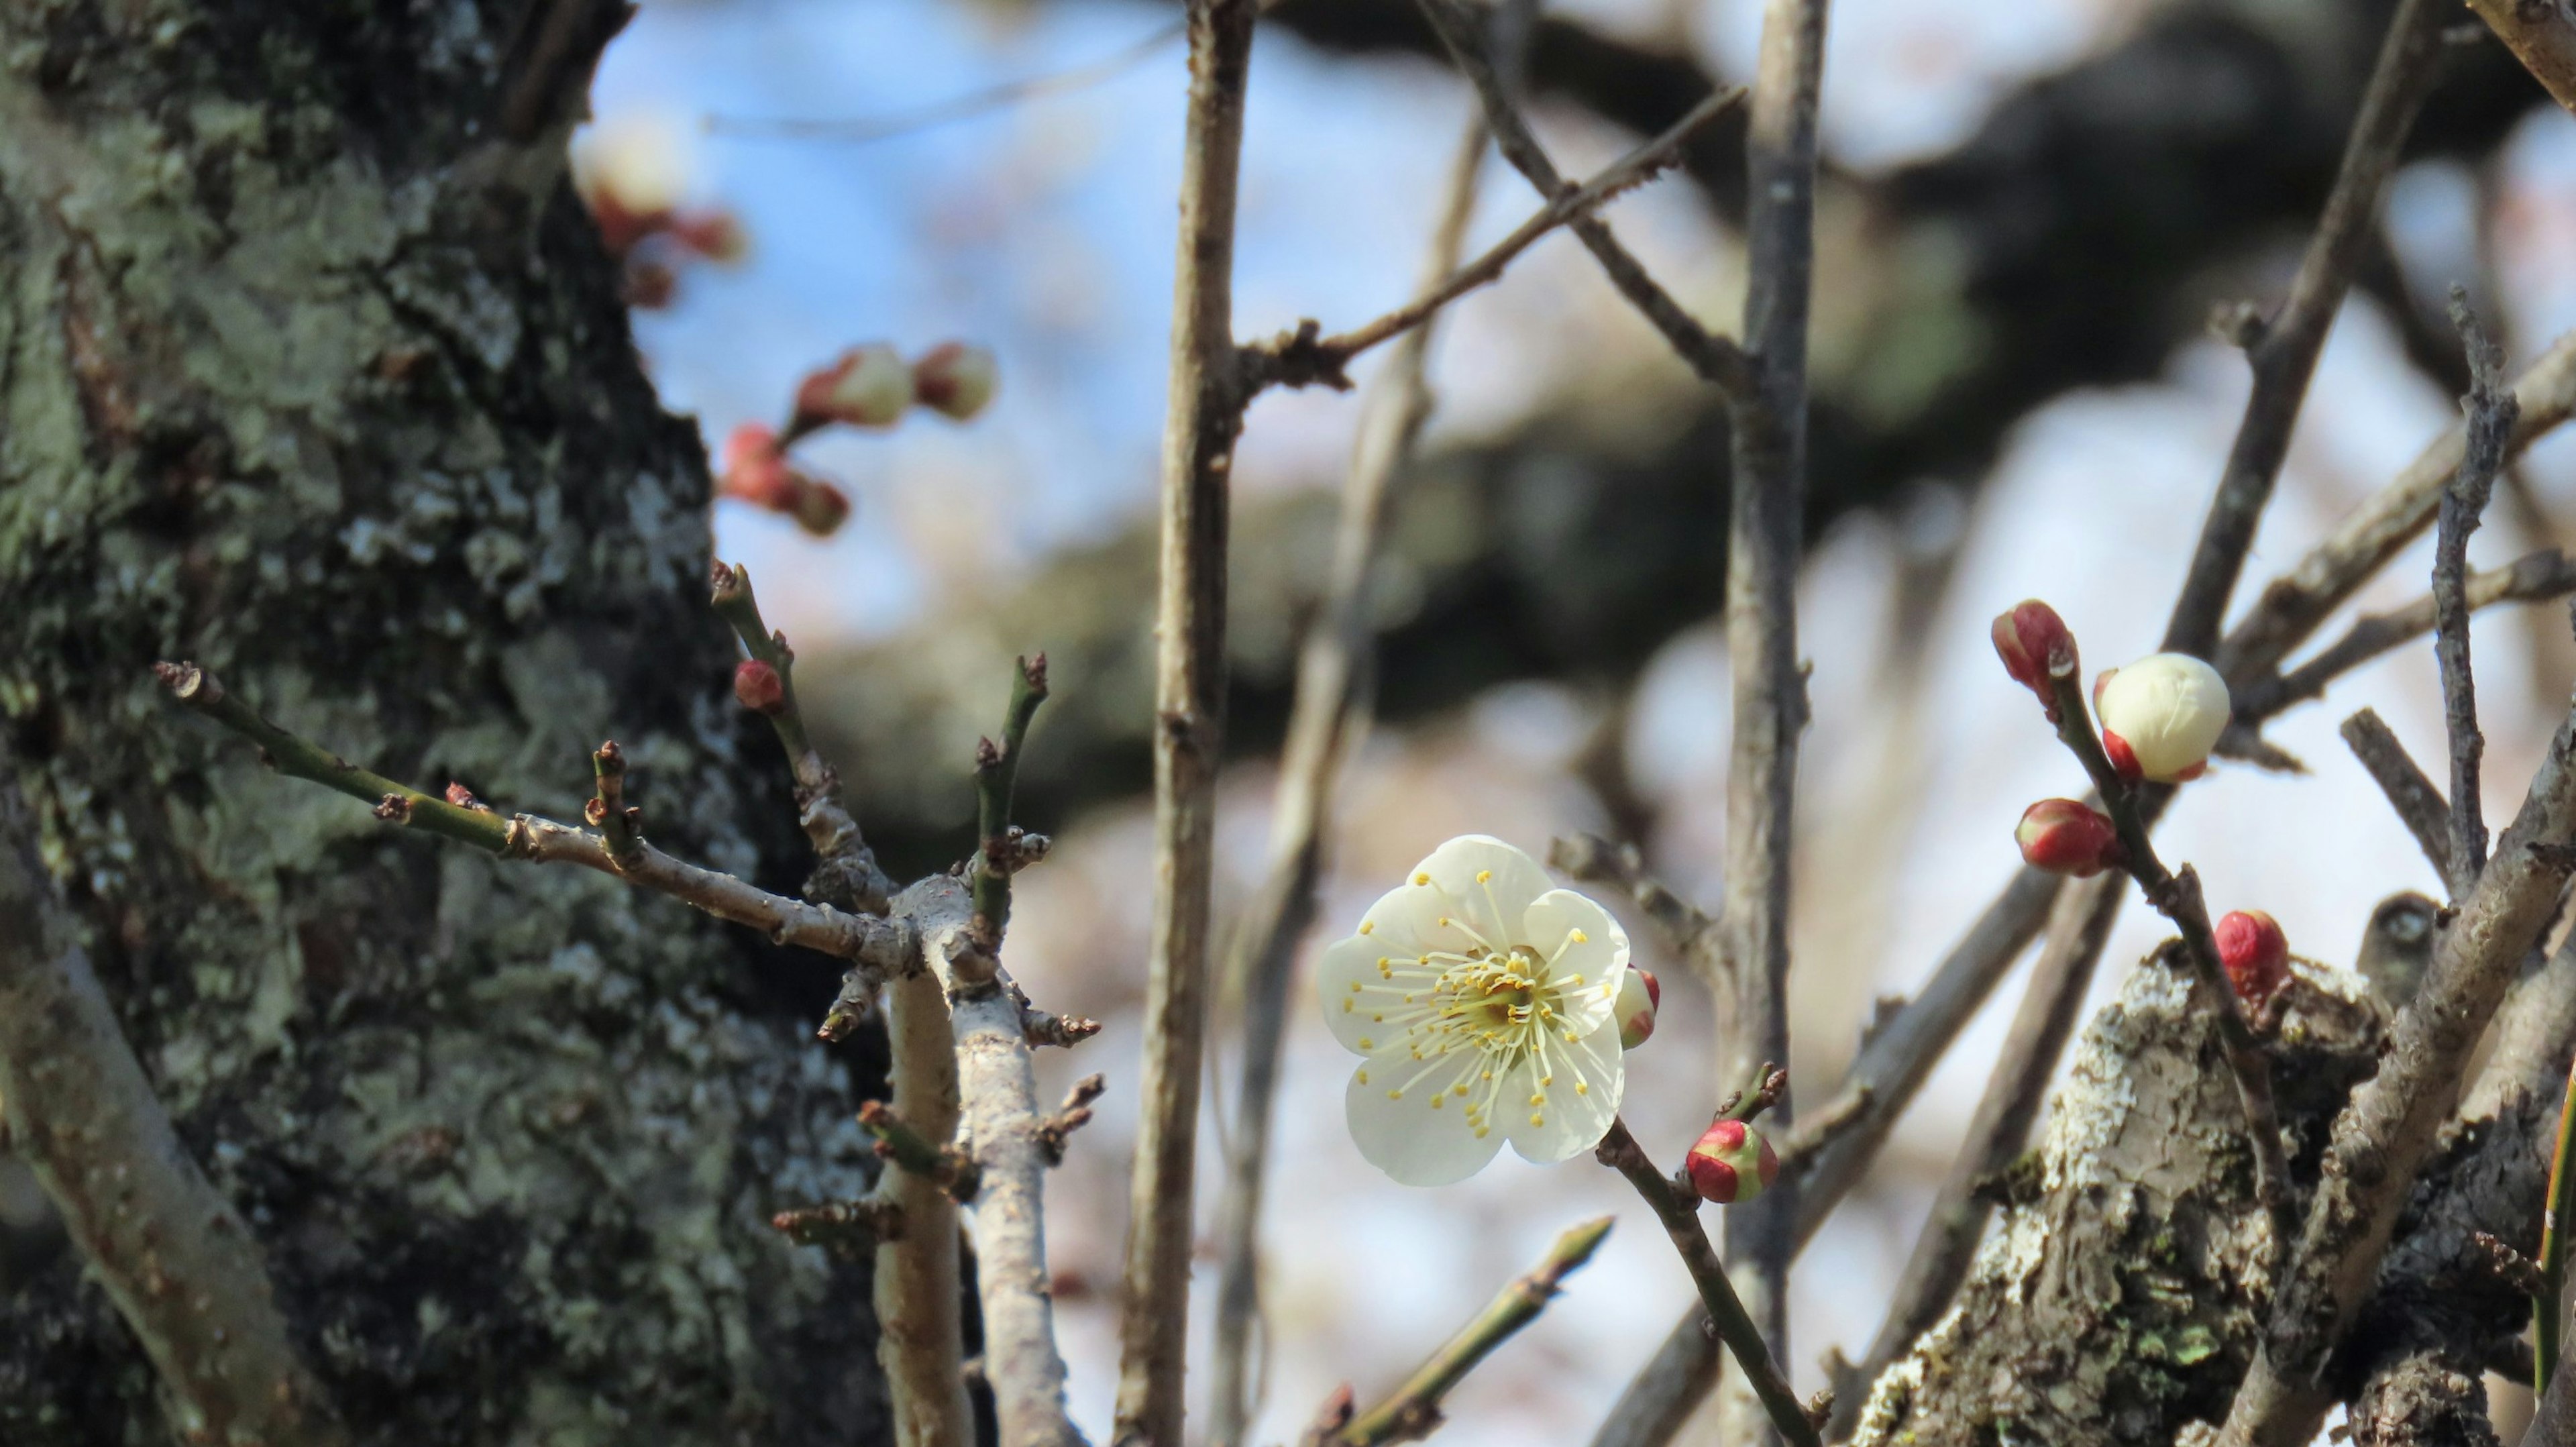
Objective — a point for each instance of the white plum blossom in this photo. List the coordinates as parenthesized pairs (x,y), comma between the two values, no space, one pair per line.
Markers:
(1481,998)
(2161,716)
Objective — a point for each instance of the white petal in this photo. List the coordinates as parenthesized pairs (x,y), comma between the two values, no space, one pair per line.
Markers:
(1568,1121)
(2169,708)
(1483,882)
(1600,957)
(1348,984)
(1396,1127)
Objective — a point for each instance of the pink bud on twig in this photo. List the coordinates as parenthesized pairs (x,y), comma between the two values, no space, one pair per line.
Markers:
(2032,640)
(955,380)
(868,387)
(757,686)
(2255,953)
(820,507)
(755,471)
(1639,998)
(2065,837)
(1732,1163)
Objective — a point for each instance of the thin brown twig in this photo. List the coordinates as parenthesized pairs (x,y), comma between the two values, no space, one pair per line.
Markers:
(2541,36)
(1716,358)
(1595,860)
(1328,711)
(184,1272)
(2490,421)
(1205,414)
(2418,803)
(2284,356)
(1764,539)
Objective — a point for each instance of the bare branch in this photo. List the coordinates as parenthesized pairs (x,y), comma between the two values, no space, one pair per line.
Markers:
(2418,804)
(2285,355)
(2490,420)
(1413,1412)
(1205,413)
(2541,36)
(1716,358)
(183,1270)
(1595,860)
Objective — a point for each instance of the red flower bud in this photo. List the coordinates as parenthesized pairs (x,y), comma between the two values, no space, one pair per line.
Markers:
(2031,639)
(2064,837)
(754,470)
(2255,953)
(1732,1163)
(1639,998)
(757,686)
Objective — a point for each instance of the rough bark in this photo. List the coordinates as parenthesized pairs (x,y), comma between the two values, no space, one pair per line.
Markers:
(2122,1293)
(312,372)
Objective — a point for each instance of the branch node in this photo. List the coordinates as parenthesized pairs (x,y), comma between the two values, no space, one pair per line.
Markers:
(945,1166)
(1069,1117)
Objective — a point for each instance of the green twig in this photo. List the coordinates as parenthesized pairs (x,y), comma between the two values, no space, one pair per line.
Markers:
(2547,1308)
(1413,1411)
(1678,1208)
(619,824)
(848,1229)
(1002,849)
(296,758)
(951,1169)
(730,591)
(2177,897)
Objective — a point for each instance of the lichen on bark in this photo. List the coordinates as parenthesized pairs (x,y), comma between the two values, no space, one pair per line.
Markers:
(2124,1288)
(308,372)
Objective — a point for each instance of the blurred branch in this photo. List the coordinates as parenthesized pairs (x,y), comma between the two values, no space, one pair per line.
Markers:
(2418,803)
(860,129)
(2283,355)
(2490,420)
(1299,358)
(1678,1209)
(184,1272)
(1595,860)
(2541,36)
(1716,358)
(1413,1412)
(1205,414)
(1766,514)
(1330,709)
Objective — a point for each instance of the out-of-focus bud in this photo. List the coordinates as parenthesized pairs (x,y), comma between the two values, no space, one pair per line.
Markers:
(715,234)
(2255,953)
(2030,638)
(820,508)
(757,686)
(1639,998)
(2065,837)
(648,284)
(868,387)
(955,380)
(2161,716)
(1732,1163)
(755,471)
(632,171)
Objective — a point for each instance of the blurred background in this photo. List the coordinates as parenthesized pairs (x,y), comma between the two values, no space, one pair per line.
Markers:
(2030,210)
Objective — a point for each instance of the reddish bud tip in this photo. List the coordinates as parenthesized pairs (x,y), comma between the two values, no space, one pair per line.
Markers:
(2034,643)
(1732,1163)
(955,380)
(2124,760)
(868,387)
(754,472)
(757,686)
(2255,953)
(2065,837)
(716,235)
(1639,998)
(821,508)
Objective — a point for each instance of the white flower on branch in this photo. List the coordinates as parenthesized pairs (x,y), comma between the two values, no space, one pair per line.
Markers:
(2161,716)
(1482,999)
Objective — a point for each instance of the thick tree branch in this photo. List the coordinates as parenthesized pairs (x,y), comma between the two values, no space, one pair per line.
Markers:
(2284,354)
(1205,414)
(181,1267)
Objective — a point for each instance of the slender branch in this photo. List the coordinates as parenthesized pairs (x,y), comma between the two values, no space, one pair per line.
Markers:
(1763,544)
(2490,420)
(2176,895)
(1300,357)
(846,872)
(856,130)
(183,1270)
(2295,604)
(2284,355)
(2078,929)
(2532,578)
(908,1145)
(1413,1412)
(2385,1133)
(1003,849)
(1205,413)
(1595,860)
(1678,1209)
(921,1342)
(2417,802)
(2549,1308)
(874,947)
(1716,358)
(1328,711)
(2541,36)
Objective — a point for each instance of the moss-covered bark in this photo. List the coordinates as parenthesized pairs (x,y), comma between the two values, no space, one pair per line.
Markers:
(308,371)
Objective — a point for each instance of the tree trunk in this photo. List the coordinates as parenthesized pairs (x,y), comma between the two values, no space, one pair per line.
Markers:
(312,368)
